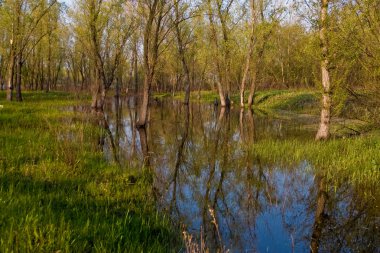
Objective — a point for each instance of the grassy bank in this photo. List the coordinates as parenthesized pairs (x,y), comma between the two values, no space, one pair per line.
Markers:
(358,112)
(294,100)
(354,159)
(58,194)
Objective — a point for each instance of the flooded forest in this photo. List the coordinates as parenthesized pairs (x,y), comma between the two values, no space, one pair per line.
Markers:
(192,126)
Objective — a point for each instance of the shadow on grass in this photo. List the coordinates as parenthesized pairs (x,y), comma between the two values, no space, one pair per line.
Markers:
(64,215)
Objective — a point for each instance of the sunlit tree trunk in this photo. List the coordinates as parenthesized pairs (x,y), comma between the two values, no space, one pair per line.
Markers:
(249,53)
(151,45)
(226,52)
(252,88)
(324,126)
(215,41)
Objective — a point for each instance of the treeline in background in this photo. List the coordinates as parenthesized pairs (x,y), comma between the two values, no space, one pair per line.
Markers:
(229,46)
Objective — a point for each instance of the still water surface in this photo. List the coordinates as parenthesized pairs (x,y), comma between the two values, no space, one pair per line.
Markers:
(202,159)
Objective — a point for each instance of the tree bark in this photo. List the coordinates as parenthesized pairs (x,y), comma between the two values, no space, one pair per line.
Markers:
(324,126)
(10,73)
(181,51)
(226,53)
(19,77)
(96,91)
(249,54)
(252,88)
(214,39)
(150,57)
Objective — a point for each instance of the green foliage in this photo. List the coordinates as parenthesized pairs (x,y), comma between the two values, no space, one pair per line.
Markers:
(57,193)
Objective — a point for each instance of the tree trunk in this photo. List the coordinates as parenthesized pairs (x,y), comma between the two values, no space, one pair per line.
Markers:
(242,86)
(324,126)
(19,77)
(48,84)
(150,57)
(249,54)
(226,54)
(144,147)
(215,41)
(181,52)
(96,91)
(145,102)
(10,71)
(252,88)
(135,69)
(222,97)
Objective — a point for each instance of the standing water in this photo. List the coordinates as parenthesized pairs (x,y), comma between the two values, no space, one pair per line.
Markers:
(208,178)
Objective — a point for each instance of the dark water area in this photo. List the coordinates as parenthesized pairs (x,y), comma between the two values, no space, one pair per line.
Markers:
(205,171)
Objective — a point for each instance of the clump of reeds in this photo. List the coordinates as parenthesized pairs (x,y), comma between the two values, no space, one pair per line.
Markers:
(193,246)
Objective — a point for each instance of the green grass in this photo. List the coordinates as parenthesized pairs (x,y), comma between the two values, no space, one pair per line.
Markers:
(57,193)
(344,159)
(266,99)
(288,100)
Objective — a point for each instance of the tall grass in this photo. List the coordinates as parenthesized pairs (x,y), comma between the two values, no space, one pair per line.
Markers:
(355,159)
(58,194)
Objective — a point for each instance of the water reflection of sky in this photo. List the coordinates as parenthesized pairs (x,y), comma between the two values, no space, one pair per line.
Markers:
(259,207)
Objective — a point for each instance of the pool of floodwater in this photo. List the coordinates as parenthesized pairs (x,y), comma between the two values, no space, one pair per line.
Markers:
(202,159)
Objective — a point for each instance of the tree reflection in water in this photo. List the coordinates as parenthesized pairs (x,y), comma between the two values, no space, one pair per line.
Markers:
(202,157)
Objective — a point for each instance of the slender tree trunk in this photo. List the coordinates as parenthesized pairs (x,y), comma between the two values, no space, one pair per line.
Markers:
(19,77)
(181,52)
(145,102)
(48,84)
(242,85)
(226,54)
(96,90)
(214,39)
(241,124)
(255,69)
(222,96)
(144,147)
(150,57)
(324,126)
(135,69)
(252,88)
(10,71)
(249,54)
(42,75)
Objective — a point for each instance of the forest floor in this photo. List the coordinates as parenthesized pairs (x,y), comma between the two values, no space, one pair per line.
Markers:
(57,192)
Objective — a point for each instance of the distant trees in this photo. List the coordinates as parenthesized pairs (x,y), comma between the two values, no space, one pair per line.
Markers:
(184,45)
(22,20)
(103,29)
